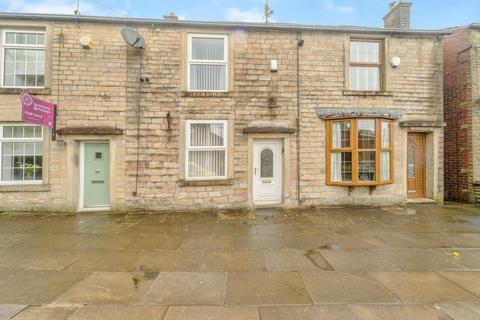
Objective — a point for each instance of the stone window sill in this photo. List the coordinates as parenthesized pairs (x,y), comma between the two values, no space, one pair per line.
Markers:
(367,93)
(25,188)
(201,94)
(192,183)
(34,91)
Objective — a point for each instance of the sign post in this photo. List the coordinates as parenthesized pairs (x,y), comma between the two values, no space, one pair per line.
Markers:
(39,111)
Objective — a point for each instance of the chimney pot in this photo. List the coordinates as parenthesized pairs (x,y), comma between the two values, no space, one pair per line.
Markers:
(170,16)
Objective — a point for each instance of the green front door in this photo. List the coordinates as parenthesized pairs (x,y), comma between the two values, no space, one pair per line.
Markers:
(96,187)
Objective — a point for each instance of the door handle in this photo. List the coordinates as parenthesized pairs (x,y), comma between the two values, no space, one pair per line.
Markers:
(255,171)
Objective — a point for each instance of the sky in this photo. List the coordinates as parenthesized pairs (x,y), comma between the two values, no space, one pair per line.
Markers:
(426,14)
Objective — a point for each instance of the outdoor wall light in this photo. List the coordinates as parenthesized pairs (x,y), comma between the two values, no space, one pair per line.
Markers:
(395,62)
(86,42)
(273,65)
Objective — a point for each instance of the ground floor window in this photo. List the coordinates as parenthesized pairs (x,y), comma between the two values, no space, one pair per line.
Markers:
(359,151)
(21,149)
(206,152)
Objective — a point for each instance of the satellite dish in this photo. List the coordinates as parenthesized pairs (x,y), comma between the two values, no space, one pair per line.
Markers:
(132,37)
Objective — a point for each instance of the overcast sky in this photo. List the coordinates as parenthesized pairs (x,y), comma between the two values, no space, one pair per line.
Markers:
(425,13)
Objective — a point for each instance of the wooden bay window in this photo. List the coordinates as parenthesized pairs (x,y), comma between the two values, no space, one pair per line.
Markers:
(359,151)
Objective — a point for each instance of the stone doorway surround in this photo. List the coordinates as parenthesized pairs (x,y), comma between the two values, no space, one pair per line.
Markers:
(272,129)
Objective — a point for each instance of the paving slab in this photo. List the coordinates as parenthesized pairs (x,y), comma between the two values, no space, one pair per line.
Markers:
(423,287)
(45,313)
(188,288)
(469,280)
(258,241)
(171,260)
(154,241)
(349,241)
(400,312)
(109,287)
(266,288)
(10,240)
(233,261)
(206,242)
(357,260)
(104,241)
(459,311)
(7,311)
(36,287)
(106,260)
(469,258)
(306,313)
(212,313)
(288,260)
(342,287)
(119,312)
(421,259)
(306,242)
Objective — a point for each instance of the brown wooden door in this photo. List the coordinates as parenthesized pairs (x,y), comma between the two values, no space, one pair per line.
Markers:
(416,165)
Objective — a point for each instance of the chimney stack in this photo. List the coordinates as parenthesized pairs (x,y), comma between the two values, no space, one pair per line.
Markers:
(398,16)
(170,16)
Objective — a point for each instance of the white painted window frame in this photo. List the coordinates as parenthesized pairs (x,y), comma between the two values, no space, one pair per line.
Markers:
(5,46)
(188,148)
(33,140)
(223,62)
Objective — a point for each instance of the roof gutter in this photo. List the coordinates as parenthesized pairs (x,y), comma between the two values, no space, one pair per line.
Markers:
(218,24)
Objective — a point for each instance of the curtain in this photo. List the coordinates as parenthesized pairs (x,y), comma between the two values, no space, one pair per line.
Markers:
(208,77)
(207,162)
(336,166)
(208,49)
(365,78)
(366,52)
(337,134)
(385,165)
(385,134)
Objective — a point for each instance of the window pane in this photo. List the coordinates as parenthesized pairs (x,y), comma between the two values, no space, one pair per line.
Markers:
(10,38)
(366,52)
(341,134)
(24,67)
(365,78)
(206,163)
(266,163)
(208,49)
(7,131)
(341,166)
(21,161)
(366,166)
(385,134)
(366,134)
(208,77)
(206,135)
(385,165)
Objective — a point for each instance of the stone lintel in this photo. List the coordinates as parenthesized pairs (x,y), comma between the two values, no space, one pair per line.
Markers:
(268,126)
(332,113)
(90,131)
(422,124)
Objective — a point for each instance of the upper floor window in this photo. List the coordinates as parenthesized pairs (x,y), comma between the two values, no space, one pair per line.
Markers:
(21,150)
(359,151)
(206,152)
(207,62)
(366,62)
(23,59)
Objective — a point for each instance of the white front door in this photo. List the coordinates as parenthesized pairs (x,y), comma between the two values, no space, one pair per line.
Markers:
(267,171)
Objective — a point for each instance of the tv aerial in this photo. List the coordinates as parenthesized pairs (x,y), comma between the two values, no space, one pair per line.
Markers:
(267,12)
(132,38)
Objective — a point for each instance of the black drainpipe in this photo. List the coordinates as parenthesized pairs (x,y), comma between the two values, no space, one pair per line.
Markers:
(299,44)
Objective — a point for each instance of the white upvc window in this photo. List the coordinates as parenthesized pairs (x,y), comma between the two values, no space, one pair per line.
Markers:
(23,59)
(21,150)
(206,150)
(207,62)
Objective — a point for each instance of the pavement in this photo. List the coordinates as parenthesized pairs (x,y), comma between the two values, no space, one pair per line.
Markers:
(416,262)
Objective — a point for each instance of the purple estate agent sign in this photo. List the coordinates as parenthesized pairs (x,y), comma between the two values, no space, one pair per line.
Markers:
(37,111)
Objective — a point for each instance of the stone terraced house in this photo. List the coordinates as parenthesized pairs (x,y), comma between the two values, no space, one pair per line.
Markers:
(462,114)
(220,114)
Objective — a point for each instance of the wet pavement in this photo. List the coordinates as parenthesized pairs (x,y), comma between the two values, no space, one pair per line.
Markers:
(420,262)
